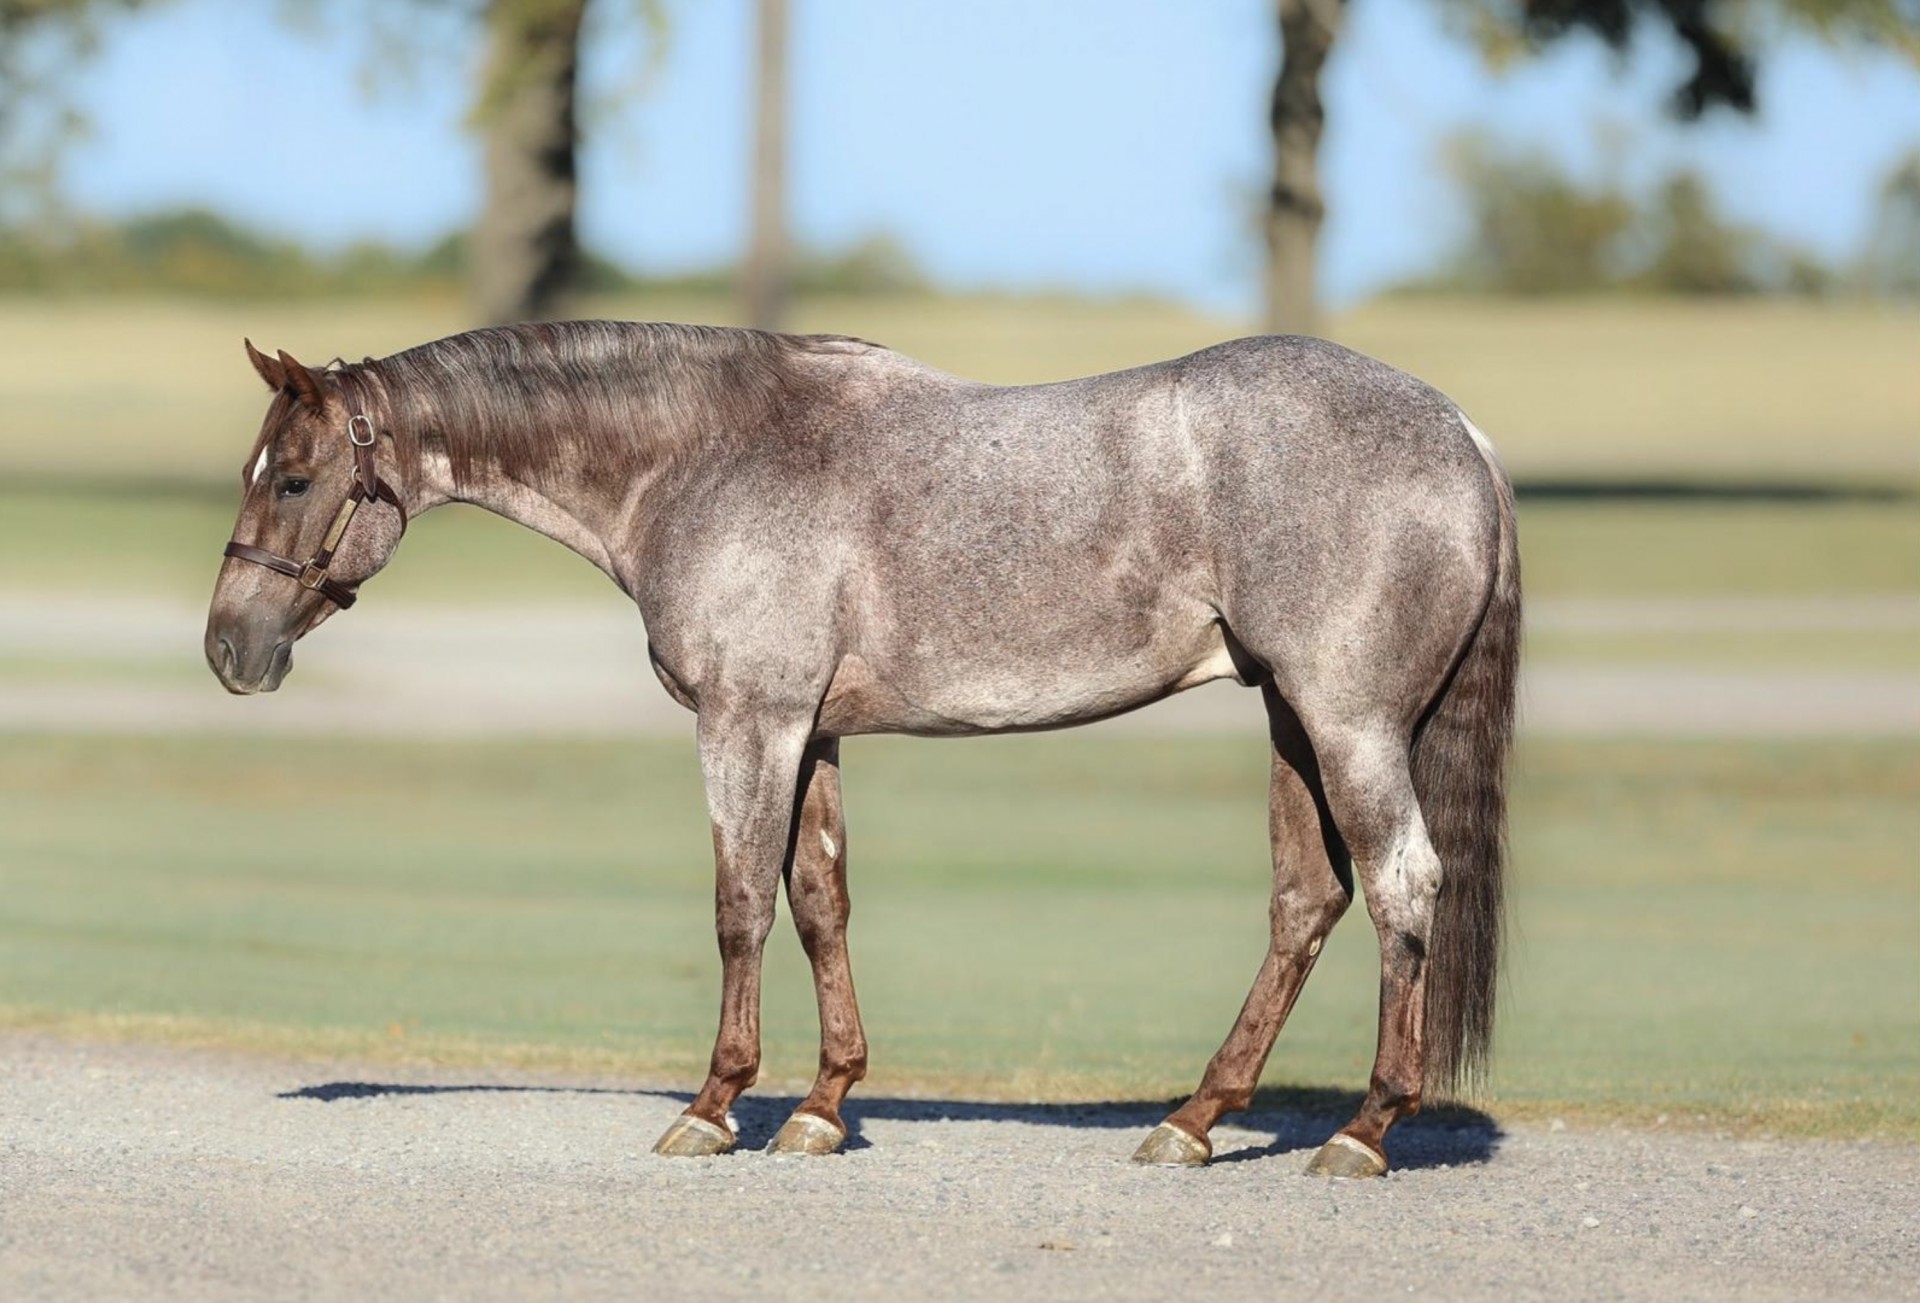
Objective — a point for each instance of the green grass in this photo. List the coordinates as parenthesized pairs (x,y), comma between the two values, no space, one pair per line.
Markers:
(1668,548)
(1582,388)
(1727,931)
(1873,650)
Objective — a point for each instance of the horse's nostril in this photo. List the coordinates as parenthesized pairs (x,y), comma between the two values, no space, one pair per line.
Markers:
(226,658)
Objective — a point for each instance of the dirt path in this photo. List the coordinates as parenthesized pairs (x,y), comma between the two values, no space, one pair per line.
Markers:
(157,1173)
(101,665)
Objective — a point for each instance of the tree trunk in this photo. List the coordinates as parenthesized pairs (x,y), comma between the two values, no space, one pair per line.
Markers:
(524,255)
(764,275)
(1294,205)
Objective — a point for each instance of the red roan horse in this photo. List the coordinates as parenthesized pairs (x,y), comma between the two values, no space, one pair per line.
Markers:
(827,538)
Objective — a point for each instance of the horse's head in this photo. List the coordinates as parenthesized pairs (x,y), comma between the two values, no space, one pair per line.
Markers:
(316,520)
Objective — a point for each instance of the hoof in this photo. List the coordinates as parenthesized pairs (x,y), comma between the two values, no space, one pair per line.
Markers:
(1345,1156)
(806,1134)
(1168,1146)
(693,1137)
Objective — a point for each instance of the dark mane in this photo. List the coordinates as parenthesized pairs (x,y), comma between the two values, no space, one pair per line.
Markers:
(551,398)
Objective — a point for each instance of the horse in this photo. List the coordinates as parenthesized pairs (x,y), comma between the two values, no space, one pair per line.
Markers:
(825,538)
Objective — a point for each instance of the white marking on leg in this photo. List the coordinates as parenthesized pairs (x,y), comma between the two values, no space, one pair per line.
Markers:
(826,840)
(259,465)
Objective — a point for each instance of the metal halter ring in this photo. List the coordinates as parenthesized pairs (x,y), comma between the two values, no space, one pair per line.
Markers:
(354,422)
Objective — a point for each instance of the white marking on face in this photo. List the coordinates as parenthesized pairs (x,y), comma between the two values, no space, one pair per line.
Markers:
(259,465)
(1313,946)
(826,840)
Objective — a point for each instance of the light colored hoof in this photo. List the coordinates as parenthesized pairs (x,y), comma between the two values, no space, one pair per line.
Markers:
(692,1137)
(1168,1146)
(1344,1156)
(803,1133)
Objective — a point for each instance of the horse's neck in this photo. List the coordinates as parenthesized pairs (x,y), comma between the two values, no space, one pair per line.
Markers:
(595,510)
(575,520)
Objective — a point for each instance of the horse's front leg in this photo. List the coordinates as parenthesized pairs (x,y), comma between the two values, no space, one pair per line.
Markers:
(817,894)
(751,760)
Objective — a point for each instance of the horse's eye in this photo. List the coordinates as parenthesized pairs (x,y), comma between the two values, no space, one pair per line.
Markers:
(293,486)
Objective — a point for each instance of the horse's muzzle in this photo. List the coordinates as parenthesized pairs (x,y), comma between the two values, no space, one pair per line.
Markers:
(245,661)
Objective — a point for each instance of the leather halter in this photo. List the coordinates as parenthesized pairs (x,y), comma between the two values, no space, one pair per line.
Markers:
(367,487)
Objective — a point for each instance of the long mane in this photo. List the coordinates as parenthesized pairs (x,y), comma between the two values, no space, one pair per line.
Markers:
(545,399)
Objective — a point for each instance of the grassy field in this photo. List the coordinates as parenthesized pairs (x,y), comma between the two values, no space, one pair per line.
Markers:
(1602,388)
(1727,932)
(1718,931)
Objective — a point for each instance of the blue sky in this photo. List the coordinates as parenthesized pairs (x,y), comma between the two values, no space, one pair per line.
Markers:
(1104,145)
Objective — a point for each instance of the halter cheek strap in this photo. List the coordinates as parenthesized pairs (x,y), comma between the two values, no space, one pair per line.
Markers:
(367,487)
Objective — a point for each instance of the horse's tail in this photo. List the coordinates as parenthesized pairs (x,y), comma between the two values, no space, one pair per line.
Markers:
(1460,780)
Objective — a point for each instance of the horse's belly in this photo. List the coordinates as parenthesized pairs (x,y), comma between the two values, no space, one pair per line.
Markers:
(974,696)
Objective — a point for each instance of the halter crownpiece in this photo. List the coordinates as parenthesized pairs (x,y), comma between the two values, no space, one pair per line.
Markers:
(367,487)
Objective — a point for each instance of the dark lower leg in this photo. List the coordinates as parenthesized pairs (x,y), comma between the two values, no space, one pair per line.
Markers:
(1393,1092)
(1311,889)
(817,893)
(1234,1071)
(1372,794)
(735,1064)
(751,764)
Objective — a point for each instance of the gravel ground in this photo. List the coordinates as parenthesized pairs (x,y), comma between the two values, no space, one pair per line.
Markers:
(133,1171)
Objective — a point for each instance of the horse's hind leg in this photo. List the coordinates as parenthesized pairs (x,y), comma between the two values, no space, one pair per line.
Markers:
(751,760)
(817,893)
(1311,888)
(1370,788)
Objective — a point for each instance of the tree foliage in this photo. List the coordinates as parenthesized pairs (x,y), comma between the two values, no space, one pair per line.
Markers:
(200,253)
(1724,37)
(1891,264)
(1534,229)
(42,43)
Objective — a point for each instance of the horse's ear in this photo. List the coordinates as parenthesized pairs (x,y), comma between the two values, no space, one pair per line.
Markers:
(305,385)
(268,368)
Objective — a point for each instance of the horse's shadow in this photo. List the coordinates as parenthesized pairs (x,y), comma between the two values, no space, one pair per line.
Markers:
(1299,1117)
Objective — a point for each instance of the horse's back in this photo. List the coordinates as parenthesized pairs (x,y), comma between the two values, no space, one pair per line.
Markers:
(1050,553)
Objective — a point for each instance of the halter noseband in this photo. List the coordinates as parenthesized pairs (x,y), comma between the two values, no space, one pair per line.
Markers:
(367,486)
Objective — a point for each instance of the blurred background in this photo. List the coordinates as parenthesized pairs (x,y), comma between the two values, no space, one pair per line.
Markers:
(1667,254)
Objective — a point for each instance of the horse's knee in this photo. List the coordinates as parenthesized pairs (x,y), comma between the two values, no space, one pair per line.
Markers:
(742,924)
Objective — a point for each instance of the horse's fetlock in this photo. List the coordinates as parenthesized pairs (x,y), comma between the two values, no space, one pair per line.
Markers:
(737,1068)
(849,1065)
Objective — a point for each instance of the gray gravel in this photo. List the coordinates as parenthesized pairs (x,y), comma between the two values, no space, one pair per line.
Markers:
(136,1171)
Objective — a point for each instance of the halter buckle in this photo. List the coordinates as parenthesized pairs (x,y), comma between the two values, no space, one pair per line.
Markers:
(354,423)
(312,576)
